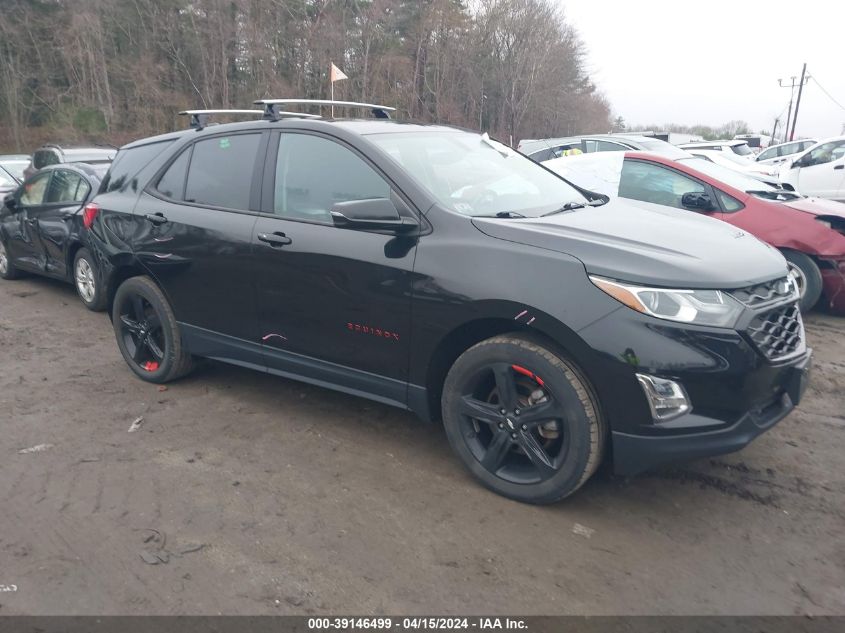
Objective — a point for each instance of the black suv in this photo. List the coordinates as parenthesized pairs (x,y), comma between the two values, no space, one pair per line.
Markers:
(437,270)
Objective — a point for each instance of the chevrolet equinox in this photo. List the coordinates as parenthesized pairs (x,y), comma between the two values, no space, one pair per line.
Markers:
(437,270)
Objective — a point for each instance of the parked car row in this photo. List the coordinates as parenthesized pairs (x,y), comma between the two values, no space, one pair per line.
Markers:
(549,325)
(809,167)
(809,232)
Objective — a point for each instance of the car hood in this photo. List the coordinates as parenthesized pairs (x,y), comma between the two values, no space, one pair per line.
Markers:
(648,244)
(817,206)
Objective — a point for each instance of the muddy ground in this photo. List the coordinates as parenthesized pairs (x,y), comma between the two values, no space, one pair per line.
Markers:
(258,495)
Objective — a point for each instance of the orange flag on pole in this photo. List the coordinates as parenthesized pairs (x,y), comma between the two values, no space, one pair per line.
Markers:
(336,74)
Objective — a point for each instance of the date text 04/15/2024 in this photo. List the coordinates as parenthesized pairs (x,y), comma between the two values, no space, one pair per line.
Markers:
(416,623)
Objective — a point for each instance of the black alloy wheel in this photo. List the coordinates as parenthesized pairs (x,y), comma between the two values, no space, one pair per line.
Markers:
(147,332)
(522,419)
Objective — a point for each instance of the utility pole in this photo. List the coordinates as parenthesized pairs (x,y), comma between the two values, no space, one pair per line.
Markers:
(775,130)
(798,101)
(791,87)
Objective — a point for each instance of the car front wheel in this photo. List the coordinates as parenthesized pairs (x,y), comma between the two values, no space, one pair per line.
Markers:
(807,277)
(147,332)
(523,419)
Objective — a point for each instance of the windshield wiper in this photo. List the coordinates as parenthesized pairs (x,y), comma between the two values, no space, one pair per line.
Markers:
(572,206)
(502,214)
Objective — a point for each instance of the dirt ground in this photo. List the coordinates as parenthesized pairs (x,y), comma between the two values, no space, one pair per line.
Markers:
(257,495)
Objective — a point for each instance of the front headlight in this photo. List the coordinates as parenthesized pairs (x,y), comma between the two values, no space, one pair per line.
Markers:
(702,307)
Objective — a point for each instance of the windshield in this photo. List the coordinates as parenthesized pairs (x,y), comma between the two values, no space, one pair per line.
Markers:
(728,176)
(742,149)
(475,176)
(15,167)
(6,180)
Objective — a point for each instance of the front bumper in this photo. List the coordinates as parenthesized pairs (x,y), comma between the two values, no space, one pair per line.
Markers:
(633,454)
(736,391)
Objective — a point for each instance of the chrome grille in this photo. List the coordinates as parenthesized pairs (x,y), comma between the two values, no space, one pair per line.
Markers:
(778,333)
(766,292)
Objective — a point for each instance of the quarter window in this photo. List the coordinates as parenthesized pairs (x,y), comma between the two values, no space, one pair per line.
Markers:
(314,173)
(66,186)
(652,183)
(172,183)
(221,171)
(34,190)
(729,203)
(128,163)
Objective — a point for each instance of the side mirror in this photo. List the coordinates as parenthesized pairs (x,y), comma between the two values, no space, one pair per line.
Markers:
(375,214)
(10,202)
(697,201)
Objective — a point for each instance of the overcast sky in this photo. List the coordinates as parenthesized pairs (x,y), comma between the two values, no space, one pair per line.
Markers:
(664,61)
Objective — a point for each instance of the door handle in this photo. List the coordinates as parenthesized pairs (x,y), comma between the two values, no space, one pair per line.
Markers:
(276,240)
(840,167)
(155,218)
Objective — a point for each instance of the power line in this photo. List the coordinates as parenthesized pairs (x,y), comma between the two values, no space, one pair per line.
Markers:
(829,96)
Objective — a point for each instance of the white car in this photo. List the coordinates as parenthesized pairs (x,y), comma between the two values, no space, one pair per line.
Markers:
(818,171)
(776,154)
(736,147)
(763,172)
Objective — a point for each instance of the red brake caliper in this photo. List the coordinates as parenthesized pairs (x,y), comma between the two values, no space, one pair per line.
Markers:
(530,374)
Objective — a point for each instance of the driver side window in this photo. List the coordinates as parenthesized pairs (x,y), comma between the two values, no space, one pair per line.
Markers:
(314,173)
(34,190)
(653,183)
(826,153)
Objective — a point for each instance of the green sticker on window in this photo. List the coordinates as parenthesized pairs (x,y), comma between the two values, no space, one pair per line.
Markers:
(225,143)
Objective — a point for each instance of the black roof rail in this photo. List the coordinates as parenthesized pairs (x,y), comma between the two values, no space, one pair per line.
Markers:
(199,118)
(272,113)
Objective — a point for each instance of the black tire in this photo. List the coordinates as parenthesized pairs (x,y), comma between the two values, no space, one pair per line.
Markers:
(501,450)
(147,332)
(86,280)
(808,276)
(7,269)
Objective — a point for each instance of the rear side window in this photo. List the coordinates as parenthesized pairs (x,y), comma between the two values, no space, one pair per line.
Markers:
(221,170)
(607,146)
(66,186)
(172,183)
(128,163)
(769,153)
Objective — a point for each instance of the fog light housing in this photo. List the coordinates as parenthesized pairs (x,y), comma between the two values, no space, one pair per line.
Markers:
(667,399)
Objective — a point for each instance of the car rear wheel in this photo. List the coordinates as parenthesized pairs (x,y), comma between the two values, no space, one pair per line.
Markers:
(523,420)
(807,276)
(7,269)
(147,332)
(87,281)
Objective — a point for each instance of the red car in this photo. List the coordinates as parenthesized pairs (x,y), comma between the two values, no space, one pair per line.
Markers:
(810,232)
